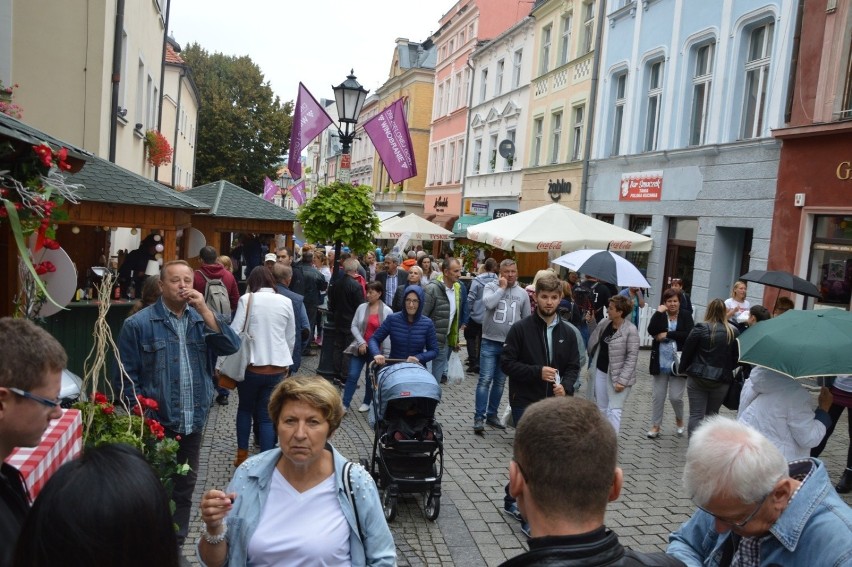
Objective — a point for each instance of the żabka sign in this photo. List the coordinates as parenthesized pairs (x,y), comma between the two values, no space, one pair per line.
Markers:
(641,186)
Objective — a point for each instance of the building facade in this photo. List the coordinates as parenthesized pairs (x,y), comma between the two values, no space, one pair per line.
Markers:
(561,58)
(179,122)
(363,151)
(688,96)
(412,75)
(812,221)
(463,28)
(498,117)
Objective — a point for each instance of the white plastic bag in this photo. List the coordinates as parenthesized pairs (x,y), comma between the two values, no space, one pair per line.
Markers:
(455,370)
(507,419)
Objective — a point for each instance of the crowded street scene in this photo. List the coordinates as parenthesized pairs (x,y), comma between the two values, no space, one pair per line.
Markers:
(558,282)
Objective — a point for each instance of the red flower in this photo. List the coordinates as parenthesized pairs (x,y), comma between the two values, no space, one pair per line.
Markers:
(45,268)
(137,410)
(108,409)
(44,153)
(100,398)
(51,244)
(61,157)
(178,437)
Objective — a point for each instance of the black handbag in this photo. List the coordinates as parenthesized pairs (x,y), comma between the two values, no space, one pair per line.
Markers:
(732,398)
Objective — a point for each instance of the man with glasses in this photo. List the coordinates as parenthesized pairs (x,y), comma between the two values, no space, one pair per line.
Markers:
(755,508)
(30,380)
(563,474)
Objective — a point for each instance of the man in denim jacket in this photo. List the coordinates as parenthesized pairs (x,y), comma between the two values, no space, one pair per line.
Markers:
(754,507)
(164,349)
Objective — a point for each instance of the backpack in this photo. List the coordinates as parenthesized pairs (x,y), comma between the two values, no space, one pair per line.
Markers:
(216,295)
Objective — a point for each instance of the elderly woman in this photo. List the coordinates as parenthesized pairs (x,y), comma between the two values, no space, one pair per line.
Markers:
(669,327)
(290,505)
(614,350)
(415,277)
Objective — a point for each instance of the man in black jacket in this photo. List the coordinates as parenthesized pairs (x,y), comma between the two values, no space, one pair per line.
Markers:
(345,296)
(566,503)
(541,359)
(30,380)
(313,284)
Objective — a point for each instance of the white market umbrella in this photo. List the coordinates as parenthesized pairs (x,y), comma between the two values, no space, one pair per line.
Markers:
(418,228)
(558,228)
(605,266)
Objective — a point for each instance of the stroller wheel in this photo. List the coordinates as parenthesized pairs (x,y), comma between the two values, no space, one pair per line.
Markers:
(431,506)
(389,505)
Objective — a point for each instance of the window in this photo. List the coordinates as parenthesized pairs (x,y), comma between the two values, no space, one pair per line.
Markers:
(509,162)
(446,100)
(577,134)
(555,135)
(433,170)
(477,154)
(439,173)
(846,111)
(565,40)
(516,68)
(451,163)
(459,157)
(538,126)
(483,87)
(452,47)
(457,92)
(702,79)
(492,153)
(439,100)
(498,79)
(123,78)
(140,93)
(618,114)
(655,96)
(149,114)
(465,88)
(756,80)
(588,27)
(545,50)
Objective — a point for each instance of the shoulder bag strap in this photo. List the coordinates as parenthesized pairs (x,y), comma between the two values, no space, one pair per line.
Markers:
(350,493)
(248,313)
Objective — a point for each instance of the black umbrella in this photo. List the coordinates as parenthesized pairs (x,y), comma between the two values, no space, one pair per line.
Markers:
(782,280)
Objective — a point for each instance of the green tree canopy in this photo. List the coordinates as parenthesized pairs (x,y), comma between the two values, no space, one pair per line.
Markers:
(243,128)
(341,212)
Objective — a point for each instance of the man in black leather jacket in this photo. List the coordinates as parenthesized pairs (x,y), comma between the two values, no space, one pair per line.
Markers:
(565,502)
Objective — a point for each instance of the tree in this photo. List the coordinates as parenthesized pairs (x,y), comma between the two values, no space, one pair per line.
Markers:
(243,129)
(340,212)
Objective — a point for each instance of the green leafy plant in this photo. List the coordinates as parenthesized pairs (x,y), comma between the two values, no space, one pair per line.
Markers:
(340,212)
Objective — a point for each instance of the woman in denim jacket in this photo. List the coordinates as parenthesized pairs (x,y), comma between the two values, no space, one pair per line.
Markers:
(291,505)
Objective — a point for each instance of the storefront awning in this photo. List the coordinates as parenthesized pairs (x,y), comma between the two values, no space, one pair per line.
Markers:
(460,226)
(445,221)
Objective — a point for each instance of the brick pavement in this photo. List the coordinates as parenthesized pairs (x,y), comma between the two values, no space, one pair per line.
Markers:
(472,529)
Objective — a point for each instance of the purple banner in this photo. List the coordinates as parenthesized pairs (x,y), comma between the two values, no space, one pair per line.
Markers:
(269,189)
(388,131)
(309,120)
(298,191)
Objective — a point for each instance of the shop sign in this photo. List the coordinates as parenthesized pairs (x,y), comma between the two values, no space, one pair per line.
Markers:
(558,188)
(500,213)
(641,186)
(441,203)
(844,171)
(478,208)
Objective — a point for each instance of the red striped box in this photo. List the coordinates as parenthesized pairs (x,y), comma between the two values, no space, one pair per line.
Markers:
(62,442)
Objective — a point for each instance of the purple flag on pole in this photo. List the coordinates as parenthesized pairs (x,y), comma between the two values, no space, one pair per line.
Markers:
(388,131)
(269,189)
(309,120)
(298,191)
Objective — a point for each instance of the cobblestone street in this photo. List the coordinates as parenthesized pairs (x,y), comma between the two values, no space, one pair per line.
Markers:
(472,529)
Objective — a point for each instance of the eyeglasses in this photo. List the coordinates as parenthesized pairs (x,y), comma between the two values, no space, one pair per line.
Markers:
(412,301)
(741,524)
(44,401)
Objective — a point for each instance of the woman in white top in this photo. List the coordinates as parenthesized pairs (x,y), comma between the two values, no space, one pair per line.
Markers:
(272,325)
(737,303)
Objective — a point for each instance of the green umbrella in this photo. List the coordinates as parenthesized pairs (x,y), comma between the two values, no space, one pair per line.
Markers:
(801,344)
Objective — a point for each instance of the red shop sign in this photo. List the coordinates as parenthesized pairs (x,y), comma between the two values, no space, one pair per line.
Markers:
(641,186)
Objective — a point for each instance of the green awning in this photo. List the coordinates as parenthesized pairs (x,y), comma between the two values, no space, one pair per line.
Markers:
(460,226)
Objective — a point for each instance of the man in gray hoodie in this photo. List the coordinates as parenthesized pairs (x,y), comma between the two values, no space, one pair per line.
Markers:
(473,330)
(505,302)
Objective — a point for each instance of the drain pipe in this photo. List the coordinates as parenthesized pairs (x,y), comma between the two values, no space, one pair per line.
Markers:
(116,77)
(593,98)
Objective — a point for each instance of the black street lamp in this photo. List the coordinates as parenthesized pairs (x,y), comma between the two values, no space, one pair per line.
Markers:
(349,96)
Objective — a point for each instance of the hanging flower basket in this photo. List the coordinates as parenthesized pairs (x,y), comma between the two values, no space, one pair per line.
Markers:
(158,148)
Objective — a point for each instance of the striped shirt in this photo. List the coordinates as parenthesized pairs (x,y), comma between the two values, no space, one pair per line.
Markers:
(186,389)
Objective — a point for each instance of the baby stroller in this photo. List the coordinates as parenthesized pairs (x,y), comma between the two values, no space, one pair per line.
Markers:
(408,448)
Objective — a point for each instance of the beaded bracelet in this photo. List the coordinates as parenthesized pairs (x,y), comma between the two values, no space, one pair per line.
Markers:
(215,539)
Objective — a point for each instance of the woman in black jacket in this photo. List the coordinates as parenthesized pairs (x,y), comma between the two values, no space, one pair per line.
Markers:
(709,356)
(666,325)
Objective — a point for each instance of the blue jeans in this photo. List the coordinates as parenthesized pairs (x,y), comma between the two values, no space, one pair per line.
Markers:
(254,393)
(489,389)
(439,364)
(356,365)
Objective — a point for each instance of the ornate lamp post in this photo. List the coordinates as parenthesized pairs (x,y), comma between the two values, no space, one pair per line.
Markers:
(349,96)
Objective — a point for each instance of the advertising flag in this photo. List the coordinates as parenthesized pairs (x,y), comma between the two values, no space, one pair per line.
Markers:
(298,191)
(269,189)
(309,120)
(388,131)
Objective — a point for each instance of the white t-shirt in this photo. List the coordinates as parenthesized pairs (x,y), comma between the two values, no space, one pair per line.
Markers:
(741,306)
(300,529)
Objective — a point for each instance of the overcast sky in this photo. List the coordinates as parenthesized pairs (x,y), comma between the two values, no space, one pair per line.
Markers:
(316,42)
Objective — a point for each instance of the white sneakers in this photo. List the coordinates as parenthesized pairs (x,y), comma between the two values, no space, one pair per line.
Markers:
(363,408)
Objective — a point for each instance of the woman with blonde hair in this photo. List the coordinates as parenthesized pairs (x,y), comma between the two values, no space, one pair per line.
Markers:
(709,356)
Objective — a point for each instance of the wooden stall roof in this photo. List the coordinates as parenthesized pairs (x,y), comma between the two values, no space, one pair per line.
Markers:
(227,200)
(14,129)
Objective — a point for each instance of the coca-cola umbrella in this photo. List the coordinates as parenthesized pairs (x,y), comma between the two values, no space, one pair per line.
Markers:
(558,228)
(604,265)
